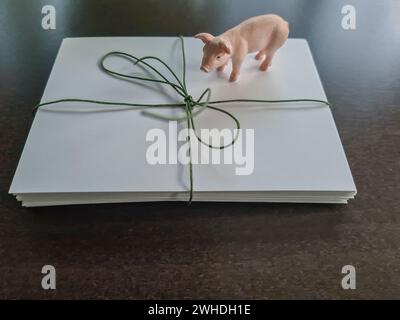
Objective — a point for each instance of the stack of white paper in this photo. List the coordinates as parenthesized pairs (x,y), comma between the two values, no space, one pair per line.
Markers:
(100,157)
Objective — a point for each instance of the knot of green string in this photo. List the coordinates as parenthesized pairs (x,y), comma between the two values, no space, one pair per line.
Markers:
(191,106)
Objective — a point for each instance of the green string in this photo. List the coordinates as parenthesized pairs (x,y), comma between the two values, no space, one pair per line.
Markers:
(192,107)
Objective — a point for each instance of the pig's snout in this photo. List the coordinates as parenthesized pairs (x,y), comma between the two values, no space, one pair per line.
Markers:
(205,69)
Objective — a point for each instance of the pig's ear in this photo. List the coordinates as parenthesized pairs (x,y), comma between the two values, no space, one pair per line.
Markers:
(205,37)
(225,46)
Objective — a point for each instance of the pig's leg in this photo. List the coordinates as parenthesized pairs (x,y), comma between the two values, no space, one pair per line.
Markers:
(237,61)
(276,40)
(267,61)
(221,68)
(260,54)
(236,64)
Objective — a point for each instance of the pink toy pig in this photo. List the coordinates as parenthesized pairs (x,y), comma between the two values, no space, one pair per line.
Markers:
(265,34)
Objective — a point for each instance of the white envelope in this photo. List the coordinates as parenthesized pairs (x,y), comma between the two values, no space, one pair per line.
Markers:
(94,157)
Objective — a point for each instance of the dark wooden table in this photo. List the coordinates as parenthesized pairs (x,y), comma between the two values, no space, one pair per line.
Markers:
(211,250)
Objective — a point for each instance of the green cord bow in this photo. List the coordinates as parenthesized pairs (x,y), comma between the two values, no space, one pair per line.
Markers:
(192,107)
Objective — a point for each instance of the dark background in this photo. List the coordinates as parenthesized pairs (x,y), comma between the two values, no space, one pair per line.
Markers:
(211,250)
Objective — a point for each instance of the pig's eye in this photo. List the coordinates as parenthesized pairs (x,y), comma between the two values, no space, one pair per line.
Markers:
(218,57)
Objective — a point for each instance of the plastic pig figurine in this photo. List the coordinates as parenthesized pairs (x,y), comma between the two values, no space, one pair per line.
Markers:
(262,34)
